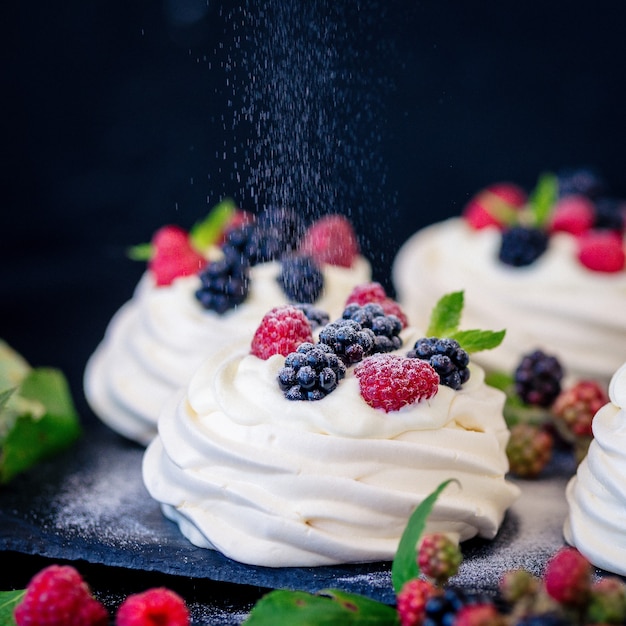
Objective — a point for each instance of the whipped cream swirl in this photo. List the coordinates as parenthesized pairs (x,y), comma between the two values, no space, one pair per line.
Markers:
(159,338)
(273,482)
(596,495)
(554,304)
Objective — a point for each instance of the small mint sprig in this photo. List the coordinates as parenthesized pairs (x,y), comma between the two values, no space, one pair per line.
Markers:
(542,200)
(445,319)
(332,606)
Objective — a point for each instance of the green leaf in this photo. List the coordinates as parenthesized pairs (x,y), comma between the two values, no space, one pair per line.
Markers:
(405,567)
(8,601)
(476,340)
(206,232)
(500,380)
(35,436)
(446,315)
(543,198)
(329,607)
(140,252)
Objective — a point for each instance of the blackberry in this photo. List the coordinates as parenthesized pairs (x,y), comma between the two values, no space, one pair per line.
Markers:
(301,279)
(317,317)
(276,232)
(348,340)
(311,372)
(386,328)
(538,378)
(447,358)
(581,180)
(441,609)
(543,619)
(610,214)
(224,284)
(522,245)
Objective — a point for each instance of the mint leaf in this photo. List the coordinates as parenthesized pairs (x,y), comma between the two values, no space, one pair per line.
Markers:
(500,380)
(543,199)
(476,340)
(205,233)
(140,252)
(404,567)
(8,601)
(446,315)
(329,607)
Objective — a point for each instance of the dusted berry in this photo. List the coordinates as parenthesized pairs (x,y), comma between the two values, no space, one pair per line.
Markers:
(484,614)
(607,604)
(224,284)
(522,245)
(517,584)
(155,607)
(331,239)
(411,601)
(494,205)
(317,317)
(538,378)
(301,279)
(529,450)
(58,595)
(311,372)
(567,577)
(390,382)
(446,356)
(348,339)
(602,251)
(574,214)
(580,180)
(386,328)
(375,292)
(173,255)
(439,557)
(576,406)
(281,331)
(443,608)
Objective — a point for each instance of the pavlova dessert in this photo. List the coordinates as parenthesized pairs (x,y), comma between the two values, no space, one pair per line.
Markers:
(596,495)
(200,295)
(550,266)
(303,450)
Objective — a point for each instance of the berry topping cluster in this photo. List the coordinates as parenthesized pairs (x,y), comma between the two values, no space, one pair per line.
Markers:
(574,202)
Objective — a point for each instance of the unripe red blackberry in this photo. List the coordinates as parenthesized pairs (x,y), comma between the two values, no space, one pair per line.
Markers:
(439,557)
(529,450)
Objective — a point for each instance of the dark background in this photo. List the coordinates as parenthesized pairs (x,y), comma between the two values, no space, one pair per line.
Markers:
(116,114)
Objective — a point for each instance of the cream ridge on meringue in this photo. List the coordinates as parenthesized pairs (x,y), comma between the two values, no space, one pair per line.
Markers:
(159,338)
(596,495)
(273,482)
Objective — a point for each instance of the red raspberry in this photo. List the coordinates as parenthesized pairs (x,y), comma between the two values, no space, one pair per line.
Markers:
(411,601)
(576,406)
(155,607)
(567,577)
(490,206)
(484,614)
(375,292)
(439,557)
(332,240)
(607,604)
(529,449)
(602,251)
(173,255)
(281,331)
(389,382)
(58,596)
(573,214)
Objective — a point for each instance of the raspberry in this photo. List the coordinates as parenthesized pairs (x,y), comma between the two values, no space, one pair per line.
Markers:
(173,255)
(390,382)
(155,607)
(574,214)
(493,205)
(607,604)
(332,240)
(576,406)
(529,450)
(567,577)
(411,601)
(301,279)
(522,245)
(439,557)
(446,356)
(602,251)
(281,331)
(375,292)
(538,378)
(484,614)
(58,596)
